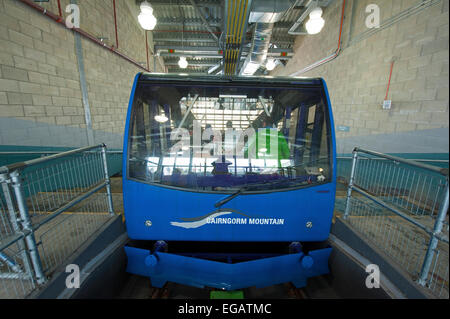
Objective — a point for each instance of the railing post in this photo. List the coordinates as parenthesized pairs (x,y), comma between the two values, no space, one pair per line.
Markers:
(108,181)
(25,221)
(4,181)
(350,183)
(443,210)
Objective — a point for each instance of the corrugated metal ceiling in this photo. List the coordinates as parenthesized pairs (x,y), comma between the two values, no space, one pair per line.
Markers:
(172,13)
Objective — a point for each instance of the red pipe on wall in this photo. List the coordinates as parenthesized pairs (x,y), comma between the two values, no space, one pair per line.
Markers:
(331,57)
(115,24)
(60,10)
(83,33)
(146,50)
(389,83)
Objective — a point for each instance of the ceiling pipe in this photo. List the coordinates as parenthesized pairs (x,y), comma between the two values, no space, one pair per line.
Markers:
(214,68)
(236,18)
(83,33)
(60,9)
(328,58)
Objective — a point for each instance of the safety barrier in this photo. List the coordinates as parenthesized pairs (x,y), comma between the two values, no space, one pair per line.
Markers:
(401,206)
(49,207)
(10,156)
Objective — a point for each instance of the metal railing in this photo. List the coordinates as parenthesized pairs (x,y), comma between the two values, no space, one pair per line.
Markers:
(49,207)
(344,164)
(402,206)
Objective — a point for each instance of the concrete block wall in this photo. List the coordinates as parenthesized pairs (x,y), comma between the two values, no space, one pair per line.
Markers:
(357,79)
(40,94)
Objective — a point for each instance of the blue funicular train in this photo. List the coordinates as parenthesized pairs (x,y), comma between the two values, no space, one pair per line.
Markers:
(228,183)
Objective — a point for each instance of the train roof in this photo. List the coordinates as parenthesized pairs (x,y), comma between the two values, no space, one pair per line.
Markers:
(264,80)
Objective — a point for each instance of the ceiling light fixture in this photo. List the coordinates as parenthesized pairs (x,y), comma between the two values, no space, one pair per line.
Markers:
(315,22)
(161,118)
(146,18)
(183,63)
(270,65)
(251,68)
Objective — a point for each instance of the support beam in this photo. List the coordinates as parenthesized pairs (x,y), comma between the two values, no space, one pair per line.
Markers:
(187,22)
(185,48)
(192,55)
(280,42)
(205,23)
(187,3)
(199,40)
(218,56)
(192,64)
(210,49)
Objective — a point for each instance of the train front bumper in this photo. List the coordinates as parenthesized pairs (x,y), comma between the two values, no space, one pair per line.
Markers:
(163,267)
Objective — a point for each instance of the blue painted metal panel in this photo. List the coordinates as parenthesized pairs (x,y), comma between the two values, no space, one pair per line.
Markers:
(162,267)
(127,127)
(332,129)
(170,212)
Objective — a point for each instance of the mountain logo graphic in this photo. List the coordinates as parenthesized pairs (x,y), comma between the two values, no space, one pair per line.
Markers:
(218,217)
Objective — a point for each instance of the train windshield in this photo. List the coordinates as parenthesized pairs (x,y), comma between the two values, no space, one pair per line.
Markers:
(226,138)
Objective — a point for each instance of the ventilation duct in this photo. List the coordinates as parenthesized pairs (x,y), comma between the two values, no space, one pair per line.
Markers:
(264,14)
(259,48)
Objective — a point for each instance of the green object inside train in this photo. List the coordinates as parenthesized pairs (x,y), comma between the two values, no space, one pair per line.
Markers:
(268,143)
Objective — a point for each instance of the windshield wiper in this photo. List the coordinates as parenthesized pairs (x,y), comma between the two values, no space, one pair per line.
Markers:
(246,187)
(230,197)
